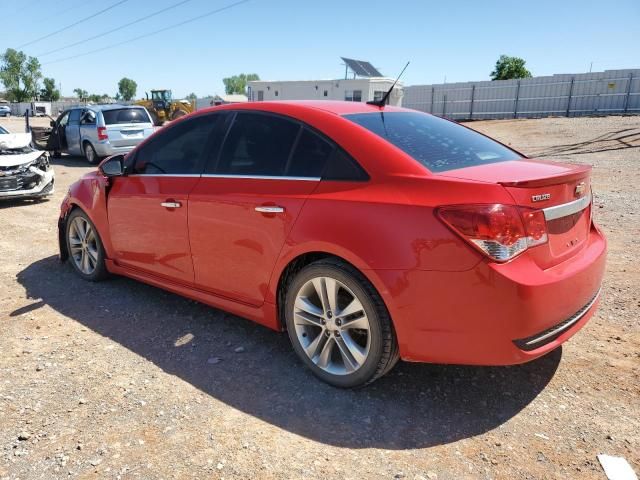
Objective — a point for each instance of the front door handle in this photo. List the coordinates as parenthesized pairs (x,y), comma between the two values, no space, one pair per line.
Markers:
(171,204)
(270,209)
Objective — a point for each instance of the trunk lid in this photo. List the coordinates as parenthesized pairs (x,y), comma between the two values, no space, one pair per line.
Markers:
(562,191)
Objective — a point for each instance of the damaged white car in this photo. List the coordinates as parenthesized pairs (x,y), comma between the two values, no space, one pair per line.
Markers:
(24,171)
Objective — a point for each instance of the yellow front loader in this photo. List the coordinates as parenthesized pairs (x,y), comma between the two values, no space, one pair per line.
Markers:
(162,107)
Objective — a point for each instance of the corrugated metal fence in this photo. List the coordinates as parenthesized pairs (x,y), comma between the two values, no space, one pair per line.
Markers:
(604,93)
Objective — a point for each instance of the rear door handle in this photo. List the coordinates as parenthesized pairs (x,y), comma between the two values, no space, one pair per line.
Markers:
(171,204)
(270,209)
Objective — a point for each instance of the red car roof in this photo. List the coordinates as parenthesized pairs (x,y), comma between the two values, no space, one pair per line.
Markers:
(332,106)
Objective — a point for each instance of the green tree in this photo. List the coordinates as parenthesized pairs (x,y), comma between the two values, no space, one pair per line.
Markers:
(95,98)
(20,75)
(508,68)
(49,93)
(238,83)
(127,88)
(192,97)
(81,94)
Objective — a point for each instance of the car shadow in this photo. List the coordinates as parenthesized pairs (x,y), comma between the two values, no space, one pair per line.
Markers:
(66,160)
(416,405)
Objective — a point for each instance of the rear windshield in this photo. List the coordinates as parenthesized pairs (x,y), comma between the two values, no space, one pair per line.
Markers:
(437,144)
(125,115)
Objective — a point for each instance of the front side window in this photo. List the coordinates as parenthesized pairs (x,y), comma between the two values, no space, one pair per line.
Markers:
(179,150)
(437,144)
(64,119)
(257,145)
(125,115)
(74,116)
(353,96)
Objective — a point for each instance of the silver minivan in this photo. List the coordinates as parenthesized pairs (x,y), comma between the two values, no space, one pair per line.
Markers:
(97,131)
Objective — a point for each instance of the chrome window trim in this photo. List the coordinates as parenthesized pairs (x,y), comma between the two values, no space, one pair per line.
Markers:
(211,175)
(581,313)
(187,175)
(262,177)
(559,211)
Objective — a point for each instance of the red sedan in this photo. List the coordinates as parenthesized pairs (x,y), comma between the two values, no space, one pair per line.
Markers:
(368,233)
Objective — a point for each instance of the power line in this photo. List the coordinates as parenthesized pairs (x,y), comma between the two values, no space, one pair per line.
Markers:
(73,24)
(193,19)
(115,29)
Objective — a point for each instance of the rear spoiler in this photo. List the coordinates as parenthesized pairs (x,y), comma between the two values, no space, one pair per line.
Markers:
(579,172)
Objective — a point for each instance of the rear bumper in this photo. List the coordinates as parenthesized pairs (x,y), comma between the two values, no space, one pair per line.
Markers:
(486,315)
(106,149)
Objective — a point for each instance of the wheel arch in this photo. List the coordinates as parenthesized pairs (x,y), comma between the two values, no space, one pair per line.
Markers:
(288,271)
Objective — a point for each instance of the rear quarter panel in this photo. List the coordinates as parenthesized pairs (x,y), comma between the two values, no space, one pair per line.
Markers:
(385,225)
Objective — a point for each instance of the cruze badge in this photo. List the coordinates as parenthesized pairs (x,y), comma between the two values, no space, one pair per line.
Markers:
(580,189)
(540,197)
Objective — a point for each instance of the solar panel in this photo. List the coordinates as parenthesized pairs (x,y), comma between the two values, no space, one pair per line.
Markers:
(362,68)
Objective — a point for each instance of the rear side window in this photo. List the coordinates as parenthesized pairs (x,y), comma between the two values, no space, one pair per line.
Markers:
(342,167)
(437,144)
(310,155)
(258,145)
(181,149)
(125,115)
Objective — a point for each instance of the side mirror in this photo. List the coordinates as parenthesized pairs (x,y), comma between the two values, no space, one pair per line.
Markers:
(52,123)
(112,166)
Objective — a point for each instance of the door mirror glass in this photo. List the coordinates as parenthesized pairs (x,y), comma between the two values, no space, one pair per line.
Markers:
(112,166)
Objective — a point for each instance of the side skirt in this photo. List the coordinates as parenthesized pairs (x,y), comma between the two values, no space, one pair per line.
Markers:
(264,315)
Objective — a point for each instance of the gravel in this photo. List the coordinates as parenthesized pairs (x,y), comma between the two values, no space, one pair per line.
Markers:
(122,380)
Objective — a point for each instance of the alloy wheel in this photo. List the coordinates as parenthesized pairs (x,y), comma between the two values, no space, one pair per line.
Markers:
(83,245)
(332,326)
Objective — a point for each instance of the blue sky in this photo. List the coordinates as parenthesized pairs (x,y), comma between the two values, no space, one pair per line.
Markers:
(300,39)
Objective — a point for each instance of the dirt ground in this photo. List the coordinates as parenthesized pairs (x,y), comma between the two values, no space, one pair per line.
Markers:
(123,380)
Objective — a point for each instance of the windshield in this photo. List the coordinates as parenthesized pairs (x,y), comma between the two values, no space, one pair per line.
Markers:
(161,95)
(2,130)
(437,144)
(125,115)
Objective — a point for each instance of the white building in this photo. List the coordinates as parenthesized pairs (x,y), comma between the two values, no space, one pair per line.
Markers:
(352,89)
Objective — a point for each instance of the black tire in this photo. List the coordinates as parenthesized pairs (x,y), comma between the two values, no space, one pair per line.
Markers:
(383,353)
(90,154)
(177,114)
(100,271)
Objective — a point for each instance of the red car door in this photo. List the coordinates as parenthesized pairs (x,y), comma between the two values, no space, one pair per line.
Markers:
(148,207)
(247,201)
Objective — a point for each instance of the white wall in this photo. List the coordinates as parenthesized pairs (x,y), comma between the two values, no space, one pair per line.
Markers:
(315,89)
(595,93)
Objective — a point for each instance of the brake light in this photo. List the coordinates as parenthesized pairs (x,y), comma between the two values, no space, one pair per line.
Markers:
(500,231)
(102,133)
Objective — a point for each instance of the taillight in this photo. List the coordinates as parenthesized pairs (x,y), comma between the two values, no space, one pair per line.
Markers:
(499,231)
(102,133)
